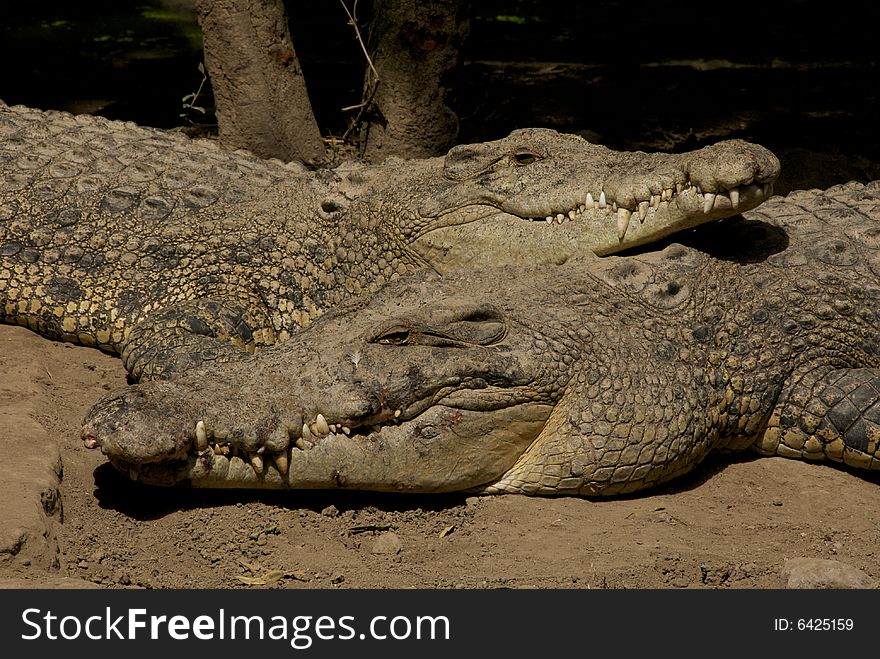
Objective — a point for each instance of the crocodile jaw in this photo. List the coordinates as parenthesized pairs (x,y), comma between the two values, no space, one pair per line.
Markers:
(689,208)
(499,238)
(443,449)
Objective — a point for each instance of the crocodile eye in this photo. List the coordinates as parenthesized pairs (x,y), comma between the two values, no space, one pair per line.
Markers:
(525,157)
(396,337)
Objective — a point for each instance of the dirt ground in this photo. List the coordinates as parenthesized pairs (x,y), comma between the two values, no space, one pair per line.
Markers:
(732,524)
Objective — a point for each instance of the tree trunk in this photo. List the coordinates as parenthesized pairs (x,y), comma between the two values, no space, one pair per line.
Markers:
(415,47)
(262,102)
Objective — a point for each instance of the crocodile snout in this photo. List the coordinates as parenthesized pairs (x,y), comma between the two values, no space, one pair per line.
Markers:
(134,425)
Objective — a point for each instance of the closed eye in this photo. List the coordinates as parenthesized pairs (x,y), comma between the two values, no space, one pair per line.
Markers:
(394,337)
(478,329)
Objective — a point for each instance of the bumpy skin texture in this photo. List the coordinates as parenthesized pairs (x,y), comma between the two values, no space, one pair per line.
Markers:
(596,377)
(174,252)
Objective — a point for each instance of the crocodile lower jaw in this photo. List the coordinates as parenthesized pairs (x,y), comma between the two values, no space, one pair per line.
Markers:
(684,198)
(500,237)
(395,455)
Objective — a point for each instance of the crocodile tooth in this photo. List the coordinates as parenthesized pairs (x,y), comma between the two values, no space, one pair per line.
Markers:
(623,218)
(306,435)
(397,413)
(643,210)
(656,199)
(133,474)
(201,436)
(218,450)
(613,206)
(301,444)
(560,217)
(734,197)
(679,188)
(548,219)
(589,201)
(333,428)
(346,430)
(571,215)
(708,201)
(321,425)
(602,202)
(256,462)
(281,463)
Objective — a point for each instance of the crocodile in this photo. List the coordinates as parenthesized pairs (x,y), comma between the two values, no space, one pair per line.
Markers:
(599,376)
(173,253)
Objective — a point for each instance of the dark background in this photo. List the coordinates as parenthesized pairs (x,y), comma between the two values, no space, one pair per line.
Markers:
(800,77)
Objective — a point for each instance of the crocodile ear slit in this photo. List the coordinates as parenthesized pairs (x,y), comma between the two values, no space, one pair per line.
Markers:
(333,206)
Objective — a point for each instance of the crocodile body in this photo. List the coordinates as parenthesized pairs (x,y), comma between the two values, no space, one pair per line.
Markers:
(174,253)
(595,377)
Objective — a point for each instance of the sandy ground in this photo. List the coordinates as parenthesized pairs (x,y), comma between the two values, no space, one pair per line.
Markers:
(732,524)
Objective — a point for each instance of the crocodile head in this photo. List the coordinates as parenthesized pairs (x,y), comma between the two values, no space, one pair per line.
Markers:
(423,388)
(546,196)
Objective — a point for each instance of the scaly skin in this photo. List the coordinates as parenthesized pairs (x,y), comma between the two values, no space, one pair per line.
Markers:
(596,377)
(174,253)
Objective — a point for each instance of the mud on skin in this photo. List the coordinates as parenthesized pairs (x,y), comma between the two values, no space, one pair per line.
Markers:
(596,377)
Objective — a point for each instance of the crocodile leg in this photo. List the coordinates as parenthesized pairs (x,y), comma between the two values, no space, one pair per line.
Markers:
(834,417)
(184,335)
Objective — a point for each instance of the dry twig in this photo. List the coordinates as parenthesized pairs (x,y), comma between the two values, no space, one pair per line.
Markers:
(370,92)
(352,20)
